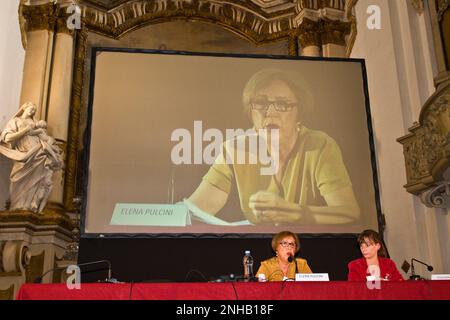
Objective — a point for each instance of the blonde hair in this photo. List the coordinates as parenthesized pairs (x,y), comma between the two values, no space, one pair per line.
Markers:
(292,79)
(284,234)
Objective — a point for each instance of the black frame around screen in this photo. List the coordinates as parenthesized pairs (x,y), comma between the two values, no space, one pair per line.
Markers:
(87,138)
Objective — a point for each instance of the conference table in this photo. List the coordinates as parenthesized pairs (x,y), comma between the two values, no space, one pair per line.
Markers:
(333,290)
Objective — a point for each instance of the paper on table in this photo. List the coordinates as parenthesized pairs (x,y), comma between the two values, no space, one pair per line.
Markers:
(197,214)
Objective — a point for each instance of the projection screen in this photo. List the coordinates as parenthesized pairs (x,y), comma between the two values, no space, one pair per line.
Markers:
(204,144)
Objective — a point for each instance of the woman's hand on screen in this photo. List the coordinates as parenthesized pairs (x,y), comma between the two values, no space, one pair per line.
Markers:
(268,207)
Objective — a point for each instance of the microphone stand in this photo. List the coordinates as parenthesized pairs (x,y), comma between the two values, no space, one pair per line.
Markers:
(109,279)
(415,276)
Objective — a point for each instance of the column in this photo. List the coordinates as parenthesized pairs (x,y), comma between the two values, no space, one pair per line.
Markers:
(58,109)
(39,23)
(309,38)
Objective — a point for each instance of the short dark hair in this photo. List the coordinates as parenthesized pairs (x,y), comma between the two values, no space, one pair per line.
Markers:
(373,236)
(284,234)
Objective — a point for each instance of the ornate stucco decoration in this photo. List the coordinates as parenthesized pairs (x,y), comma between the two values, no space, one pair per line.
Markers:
(427,151)
(48,16)
(257,20)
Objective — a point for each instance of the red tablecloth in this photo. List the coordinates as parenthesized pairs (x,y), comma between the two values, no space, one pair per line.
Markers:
(407,290)
(88,291)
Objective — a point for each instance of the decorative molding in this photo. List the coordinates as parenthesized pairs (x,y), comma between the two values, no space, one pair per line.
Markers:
(39,17)
(350,17)
(438,196)
(427,147)
(50,216)
(310,33)
(15,257)
(74,118)
(49,16)
(335,32)
(244,18)
(293,45)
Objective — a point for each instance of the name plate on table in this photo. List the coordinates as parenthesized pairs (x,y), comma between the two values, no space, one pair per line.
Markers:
(311,277)
(440,277)
(138,214)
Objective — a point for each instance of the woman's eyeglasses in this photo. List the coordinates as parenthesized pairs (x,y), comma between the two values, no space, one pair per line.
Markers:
(279,105)
(286,244)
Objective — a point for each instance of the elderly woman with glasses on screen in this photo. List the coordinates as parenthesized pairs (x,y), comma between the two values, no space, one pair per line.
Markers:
(284,265)
(311,184)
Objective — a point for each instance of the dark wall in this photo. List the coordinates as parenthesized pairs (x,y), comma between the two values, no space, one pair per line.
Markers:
(204,259)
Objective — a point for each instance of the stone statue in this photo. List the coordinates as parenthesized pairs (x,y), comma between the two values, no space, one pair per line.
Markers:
(36,157)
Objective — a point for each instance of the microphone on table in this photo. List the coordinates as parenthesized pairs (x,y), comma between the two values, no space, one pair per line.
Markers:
(415,276)
(109,279)
(295,260)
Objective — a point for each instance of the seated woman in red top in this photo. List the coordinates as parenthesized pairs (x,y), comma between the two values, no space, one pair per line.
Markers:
(373,265)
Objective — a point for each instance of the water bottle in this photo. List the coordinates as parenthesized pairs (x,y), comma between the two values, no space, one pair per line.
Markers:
(248,266)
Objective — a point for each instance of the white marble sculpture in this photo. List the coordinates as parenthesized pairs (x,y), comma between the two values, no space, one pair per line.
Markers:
(36,157)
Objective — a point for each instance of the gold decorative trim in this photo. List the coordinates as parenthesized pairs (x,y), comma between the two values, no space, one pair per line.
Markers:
(255,29)
(293,45)
(334,32)
(7,294)
(50,16)
(74,120)
(39,17)
(35,268)
(349,8)
(309,33)
(48,217)
(427,147)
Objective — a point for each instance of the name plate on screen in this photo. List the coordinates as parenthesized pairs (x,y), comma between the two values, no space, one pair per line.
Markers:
(138,214)
(440,277)
(311,277)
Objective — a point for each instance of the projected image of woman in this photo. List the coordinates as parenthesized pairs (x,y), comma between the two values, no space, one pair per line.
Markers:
(311,185)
